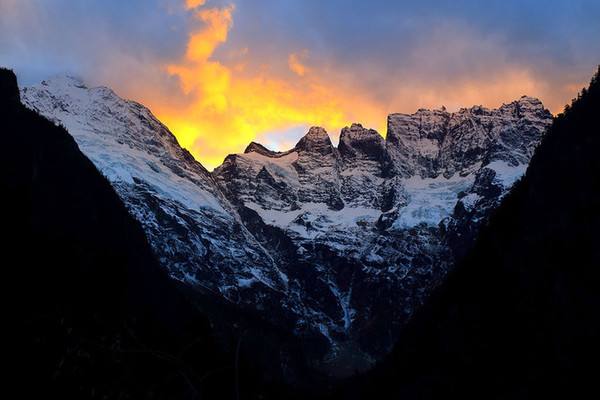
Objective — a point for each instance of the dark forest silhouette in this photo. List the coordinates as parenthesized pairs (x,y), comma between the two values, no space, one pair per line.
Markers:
(96,317)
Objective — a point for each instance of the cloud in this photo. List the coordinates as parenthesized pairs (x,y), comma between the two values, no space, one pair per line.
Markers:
(228,107)
(191,4)
(107,42)
(221,73)
(296,63)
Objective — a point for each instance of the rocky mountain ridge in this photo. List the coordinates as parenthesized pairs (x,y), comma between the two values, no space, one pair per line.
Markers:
(339,243)
(517,317)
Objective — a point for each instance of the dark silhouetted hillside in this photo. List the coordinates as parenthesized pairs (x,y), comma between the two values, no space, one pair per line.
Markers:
(519,318)
(95,316)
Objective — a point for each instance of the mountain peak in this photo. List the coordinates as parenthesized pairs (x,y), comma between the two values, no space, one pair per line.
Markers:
(255,147)
(65,80)
(74,93)
(525,97)
(532,102)
(527,107)
(317,133)
(258,148)
(357,130)
(316,140)
(357,141)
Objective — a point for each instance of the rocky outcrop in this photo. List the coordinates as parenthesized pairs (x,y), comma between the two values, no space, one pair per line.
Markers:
(432,143)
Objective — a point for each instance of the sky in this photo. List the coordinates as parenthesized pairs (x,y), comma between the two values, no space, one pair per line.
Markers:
(222,73)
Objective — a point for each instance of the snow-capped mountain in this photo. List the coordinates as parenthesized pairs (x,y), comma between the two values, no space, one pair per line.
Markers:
(341,242)
(193,229)
(374,223)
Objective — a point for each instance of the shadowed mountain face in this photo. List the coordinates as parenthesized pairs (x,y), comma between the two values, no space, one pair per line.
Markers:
(519,317)
(337,245)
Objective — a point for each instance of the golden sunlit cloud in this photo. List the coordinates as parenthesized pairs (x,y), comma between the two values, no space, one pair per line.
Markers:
(295,63)
(227,110)
(217,93)
(191,4)
(221,108)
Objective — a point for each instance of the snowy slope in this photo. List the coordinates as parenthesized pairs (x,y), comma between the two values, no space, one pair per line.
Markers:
(192,227)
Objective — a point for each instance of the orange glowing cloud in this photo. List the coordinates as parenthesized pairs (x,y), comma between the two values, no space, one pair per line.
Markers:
(222,107)
(191,4)
(217,93)
(296,64)
(226,109)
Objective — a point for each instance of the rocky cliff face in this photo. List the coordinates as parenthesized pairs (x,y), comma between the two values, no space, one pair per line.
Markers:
(518,317)
(431,143)
(338,243)
(373,225)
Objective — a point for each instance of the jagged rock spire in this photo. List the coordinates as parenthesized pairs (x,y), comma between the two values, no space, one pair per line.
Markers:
(316,140)
(359,142)
(255,147)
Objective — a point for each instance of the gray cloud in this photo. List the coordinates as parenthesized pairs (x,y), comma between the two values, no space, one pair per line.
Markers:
(374,45)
